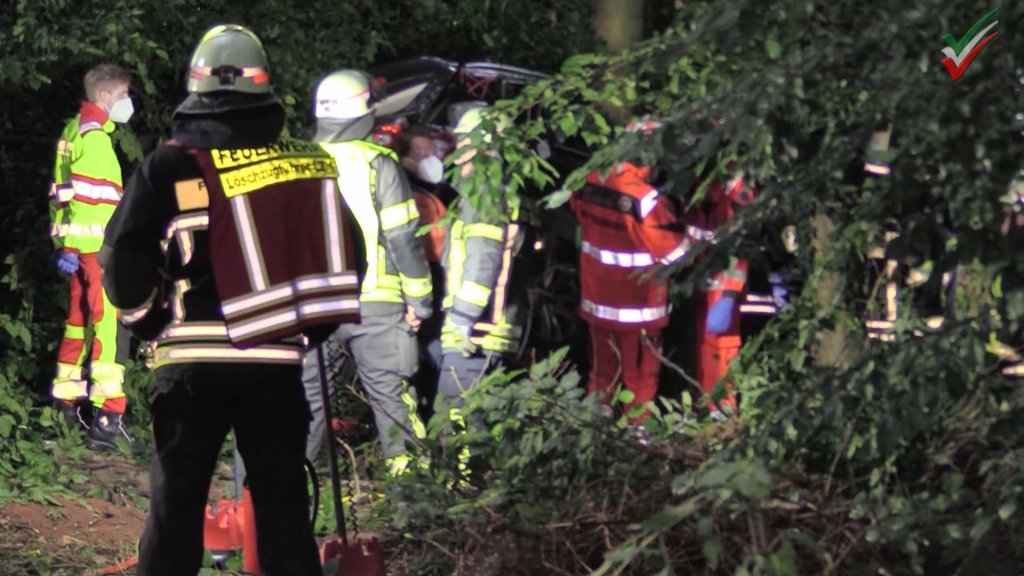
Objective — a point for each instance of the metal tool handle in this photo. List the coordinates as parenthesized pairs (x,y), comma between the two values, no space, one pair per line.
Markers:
(332,449)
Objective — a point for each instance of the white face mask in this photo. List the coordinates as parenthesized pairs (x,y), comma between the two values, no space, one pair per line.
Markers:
(122,110)
(430,169)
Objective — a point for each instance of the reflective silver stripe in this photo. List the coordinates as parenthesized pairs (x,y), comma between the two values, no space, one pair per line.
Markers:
(226,353)
(615,258)
(678,252)
(1015,370)
(187,223)
(82,128)
(702,234)
(758,304)
(62,230)
(182,228)
(877,168)
(195,330)
(332,218)
(648,202)
(882,336)
(178,305)
(250,245)
(292,317)
(625,315)
(97,192)
(880,324)
(62,193)
(284,291)
(139,312)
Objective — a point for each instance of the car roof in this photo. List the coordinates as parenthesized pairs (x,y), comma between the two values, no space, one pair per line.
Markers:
(421,89)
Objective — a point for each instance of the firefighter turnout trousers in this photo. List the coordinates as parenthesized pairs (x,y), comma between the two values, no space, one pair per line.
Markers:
(459,373)
(386,354)
(195,406)
(104,353)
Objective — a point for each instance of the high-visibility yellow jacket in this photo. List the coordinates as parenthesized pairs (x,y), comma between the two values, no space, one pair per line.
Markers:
(377,191)
(86,182)
(478,260)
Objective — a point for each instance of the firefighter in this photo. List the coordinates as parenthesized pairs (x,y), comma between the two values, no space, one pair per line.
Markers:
(626,228)
(396,293)
(86,189)
(717,308)
(929,272)
(203,255)
(483,313)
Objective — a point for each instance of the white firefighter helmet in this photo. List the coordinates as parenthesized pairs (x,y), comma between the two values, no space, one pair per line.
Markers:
(343,95)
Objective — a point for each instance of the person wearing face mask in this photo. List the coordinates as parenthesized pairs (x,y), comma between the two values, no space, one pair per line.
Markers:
(85,191)
(417,153)
(396,294)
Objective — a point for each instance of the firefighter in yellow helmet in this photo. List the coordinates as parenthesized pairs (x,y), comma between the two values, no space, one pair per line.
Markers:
(204,256)
(396,293)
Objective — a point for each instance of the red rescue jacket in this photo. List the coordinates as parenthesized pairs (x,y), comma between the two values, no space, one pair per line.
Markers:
(626,227)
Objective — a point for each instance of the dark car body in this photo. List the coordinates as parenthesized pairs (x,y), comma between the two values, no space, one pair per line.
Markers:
(433,92)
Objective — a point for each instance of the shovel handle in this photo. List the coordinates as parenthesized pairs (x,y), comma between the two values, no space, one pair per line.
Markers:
(332,449)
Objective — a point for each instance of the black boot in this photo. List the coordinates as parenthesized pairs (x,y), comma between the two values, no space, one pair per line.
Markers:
(71,413)
(105,430)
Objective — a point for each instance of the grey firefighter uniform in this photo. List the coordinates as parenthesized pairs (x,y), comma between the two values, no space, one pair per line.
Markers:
(482,291)
(383,345)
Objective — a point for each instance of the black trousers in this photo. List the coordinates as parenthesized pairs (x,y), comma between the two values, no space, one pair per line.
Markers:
(194,408)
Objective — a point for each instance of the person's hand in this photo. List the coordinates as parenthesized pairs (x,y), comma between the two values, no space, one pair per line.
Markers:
(719,317)
(67,262)
(780,293)
(412,319)
(463,343)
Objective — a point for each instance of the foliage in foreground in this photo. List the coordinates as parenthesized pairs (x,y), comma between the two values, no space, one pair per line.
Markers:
(882,459)
(906,487)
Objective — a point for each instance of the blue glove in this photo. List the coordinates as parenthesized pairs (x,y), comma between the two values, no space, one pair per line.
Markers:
(780,293)
(720,315)
(67,262)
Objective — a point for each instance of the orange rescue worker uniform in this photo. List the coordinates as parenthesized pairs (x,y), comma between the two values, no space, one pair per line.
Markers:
(717,309)
(626,226)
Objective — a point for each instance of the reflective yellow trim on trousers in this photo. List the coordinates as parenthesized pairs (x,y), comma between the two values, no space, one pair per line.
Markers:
(107,380)
(418,429)
(481,230)
(68,384)
(476,294)
(398,214)
(415,287)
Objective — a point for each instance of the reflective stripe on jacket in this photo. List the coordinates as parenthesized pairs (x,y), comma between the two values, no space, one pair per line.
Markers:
(276,278)
(479,258)
(86,181)
(626,226)
(376,189)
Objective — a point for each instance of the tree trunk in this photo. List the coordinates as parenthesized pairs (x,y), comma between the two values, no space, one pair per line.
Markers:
(834,349)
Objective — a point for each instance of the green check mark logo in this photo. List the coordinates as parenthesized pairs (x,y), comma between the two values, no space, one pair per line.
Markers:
(960,54)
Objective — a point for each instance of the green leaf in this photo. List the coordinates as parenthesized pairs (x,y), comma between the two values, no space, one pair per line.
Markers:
(711,548)
(772,47)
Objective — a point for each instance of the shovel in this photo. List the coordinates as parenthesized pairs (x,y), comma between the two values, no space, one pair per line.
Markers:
(360,555)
